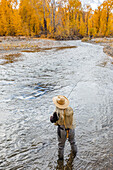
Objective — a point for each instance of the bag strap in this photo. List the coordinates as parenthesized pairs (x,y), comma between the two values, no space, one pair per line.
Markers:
(67,130)
(64,118)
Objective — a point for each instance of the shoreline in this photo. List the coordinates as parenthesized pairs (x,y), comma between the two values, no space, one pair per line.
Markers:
(107,43)
(14,45)
(11,48)
(10,44)
(108,50)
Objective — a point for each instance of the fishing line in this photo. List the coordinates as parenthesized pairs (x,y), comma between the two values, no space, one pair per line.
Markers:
(74,87)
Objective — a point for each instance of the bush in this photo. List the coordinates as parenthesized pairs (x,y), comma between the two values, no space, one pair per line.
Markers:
(43,36)
(85,39)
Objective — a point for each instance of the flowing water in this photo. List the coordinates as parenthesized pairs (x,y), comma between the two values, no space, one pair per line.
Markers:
(27,84)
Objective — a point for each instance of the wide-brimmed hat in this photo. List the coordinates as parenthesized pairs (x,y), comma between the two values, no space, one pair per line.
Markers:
(61,102)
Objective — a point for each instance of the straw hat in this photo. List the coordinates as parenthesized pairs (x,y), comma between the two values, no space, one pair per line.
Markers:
(61,102)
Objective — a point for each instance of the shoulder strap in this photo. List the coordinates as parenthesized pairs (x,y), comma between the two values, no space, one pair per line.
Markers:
(64,118)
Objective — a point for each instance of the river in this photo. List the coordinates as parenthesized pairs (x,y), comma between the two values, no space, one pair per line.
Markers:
(27,138)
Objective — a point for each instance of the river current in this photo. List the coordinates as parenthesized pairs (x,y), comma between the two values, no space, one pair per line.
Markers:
(27,138)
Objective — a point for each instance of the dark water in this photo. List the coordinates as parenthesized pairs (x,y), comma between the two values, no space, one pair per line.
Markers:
(27,139)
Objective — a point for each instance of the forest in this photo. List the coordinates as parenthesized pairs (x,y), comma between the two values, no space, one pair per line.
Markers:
(61,19)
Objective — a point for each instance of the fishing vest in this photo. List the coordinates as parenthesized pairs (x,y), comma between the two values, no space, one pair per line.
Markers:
(65,117)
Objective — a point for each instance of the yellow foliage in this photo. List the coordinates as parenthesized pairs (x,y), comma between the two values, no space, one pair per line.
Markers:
(43,17)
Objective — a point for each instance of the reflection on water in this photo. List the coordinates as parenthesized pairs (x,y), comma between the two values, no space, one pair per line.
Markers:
(68,165)
(27,138)
(37,90)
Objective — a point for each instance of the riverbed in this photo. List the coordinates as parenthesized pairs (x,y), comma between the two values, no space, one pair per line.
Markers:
(27,138)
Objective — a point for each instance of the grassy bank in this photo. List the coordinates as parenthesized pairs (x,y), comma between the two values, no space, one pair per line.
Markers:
(10,43)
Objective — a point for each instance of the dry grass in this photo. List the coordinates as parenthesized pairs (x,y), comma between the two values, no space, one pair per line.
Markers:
(65,47)
(103,40)
(111,45)
(85,39)
(19,45)
(10,43)
(107,43)
(10,58)
(44,39)
(50,48)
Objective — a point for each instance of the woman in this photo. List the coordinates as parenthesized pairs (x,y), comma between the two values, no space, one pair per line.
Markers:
(63,118)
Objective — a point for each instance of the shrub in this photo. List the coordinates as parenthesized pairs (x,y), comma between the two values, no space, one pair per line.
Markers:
(85,39)
(43,36)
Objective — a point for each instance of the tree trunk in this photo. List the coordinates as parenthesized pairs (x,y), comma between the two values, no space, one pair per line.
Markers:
(54,10)
(45,21)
